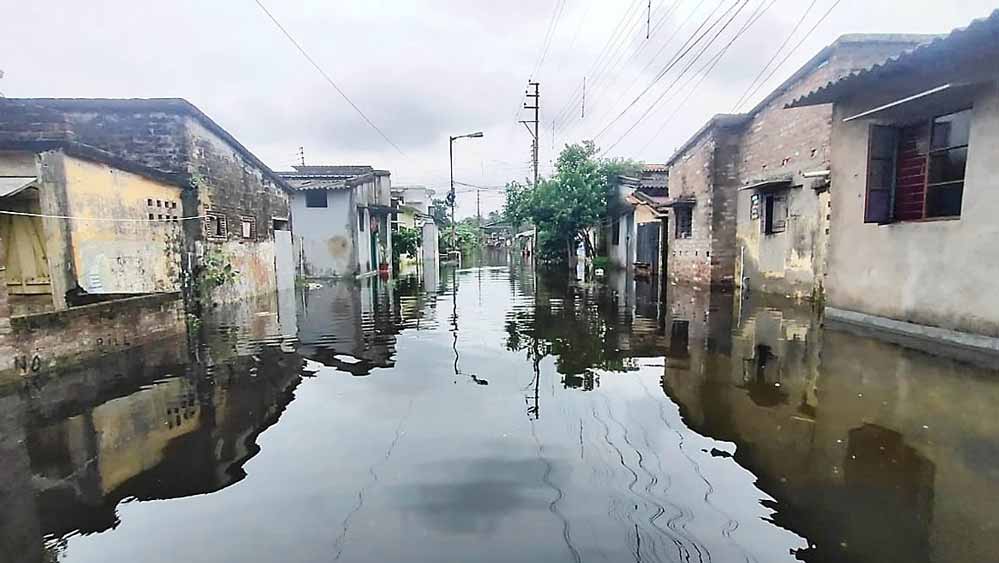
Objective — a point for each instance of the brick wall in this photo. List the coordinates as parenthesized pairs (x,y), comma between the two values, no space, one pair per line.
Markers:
(54,340)
(724,206)
(707,173)
(778,142)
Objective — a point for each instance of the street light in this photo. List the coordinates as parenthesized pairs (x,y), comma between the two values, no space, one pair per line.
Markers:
(450,154)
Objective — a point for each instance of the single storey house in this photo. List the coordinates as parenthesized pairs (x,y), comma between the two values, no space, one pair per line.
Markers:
(915,169)
(342,220)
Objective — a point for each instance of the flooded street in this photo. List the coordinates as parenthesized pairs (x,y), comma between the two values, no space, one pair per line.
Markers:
(503,414)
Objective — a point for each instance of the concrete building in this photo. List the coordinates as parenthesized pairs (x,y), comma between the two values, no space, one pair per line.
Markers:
(243,204)
(620,235)
(53,264)
(412,206)
(748,193)
(342,220)
(650,226)
(914,166)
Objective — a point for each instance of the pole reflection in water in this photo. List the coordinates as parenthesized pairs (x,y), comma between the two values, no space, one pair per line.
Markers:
(340,425)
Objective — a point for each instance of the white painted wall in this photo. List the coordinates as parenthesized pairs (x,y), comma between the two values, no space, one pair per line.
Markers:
(325,235)
(940,273)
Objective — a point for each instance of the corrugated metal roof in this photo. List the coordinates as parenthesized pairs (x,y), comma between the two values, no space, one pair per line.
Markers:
(979,38)
(319,185)
(332,170)
(11,185)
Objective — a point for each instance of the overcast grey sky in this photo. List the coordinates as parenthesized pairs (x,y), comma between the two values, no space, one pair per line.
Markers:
(423,70)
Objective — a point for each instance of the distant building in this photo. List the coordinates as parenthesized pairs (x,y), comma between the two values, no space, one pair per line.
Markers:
(915,162)
(620,230)
(411,206)
(342,220)
(748,194)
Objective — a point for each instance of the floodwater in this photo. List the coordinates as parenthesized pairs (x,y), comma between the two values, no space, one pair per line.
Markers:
(502,414)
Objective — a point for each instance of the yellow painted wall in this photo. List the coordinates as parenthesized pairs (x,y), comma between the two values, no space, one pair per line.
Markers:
(122,257)
(645,214)
(133,432)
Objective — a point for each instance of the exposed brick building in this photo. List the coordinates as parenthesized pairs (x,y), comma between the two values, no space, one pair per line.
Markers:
(749,192)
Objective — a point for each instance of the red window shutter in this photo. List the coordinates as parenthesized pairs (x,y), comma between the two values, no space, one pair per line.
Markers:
(910,176)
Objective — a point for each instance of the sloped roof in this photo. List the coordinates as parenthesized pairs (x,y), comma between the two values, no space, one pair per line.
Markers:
(333,170)
(319,184)
(732,120)
(978,39)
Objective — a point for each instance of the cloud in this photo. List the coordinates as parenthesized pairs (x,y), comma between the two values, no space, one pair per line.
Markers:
(421,70)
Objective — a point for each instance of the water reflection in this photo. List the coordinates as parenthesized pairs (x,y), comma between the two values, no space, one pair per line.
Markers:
(504,413)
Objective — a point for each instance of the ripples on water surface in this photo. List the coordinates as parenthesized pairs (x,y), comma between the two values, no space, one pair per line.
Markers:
(500,415)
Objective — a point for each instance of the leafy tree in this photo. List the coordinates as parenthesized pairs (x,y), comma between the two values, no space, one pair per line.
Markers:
(575,199)
(405,241)
(441,212)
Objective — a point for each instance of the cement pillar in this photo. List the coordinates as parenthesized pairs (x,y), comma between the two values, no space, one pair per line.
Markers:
(6,349)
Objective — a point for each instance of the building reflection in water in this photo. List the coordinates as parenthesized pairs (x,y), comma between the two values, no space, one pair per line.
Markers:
(144,425)
(872,450)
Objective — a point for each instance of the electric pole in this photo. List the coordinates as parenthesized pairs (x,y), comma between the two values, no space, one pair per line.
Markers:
(648,21)
(536,96)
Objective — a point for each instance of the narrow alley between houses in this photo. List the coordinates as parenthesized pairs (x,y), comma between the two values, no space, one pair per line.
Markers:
(495,413)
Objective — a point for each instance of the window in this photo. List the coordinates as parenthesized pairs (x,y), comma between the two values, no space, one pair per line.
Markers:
(316,198)
(248,227)
(917,171)
(215,226)
(679,337)
(774,213)
(616,232)
(947,162)
(684,221)
(280,224)
(360,220)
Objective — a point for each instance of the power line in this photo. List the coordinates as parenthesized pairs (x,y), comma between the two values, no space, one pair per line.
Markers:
(796,46)
(638,75)
(626,17)
(682,73)
(550,34)
(783,44)
(109,219)
(327,77)
(710,67)
(606,73)
(684,49)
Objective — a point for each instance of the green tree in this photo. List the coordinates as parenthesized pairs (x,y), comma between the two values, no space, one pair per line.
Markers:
(441,213)
(405,241)
(569,203)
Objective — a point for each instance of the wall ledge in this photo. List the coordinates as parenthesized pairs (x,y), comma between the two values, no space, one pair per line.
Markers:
(965,346)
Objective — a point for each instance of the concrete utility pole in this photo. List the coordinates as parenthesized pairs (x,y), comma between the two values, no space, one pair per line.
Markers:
(451,195)
(536,95)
